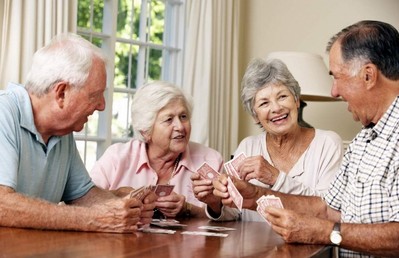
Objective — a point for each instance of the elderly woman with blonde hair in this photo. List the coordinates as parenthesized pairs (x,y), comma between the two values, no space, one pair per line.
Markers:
(160,152)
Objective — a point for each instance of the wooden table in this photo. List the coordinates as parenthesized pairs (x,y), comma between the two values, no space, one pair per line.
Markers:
(250,239)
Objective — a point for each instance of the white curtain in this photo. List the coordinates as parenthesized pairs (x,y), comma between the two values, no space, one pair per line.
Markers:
(26,26)
(211,72)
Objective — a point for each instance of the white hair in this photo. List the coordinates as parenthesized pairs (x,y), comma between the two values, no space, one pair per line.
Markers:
(68,57)
(149,100)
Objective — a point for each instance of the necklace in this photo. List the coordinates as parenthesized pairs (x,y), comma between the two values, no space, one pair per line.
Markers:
(175,168)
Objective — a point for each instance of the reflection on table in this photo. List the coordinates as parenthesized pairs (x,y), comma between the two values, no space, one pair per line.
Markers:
(250,239)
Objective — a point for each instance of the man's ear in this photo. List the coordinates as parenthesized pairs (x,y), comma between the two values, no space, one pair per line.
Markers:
(369,75)
(60,93)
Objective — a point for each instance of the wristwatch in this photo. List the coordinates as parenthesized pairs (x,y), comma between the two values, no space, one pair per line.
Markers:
(335,236)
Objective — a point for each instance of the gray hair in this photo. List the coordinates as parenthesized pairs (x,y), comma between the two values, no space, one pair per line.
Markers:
(261,74)
(149,100)
(68,57)
(369,42)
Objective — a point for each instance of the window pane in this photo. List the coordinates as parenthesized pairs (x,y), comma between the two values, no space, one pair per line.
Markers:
(155,64)
(91,127)
(128,20)
(121,115)
(86,19)
(87,150)
(157,21)
(96,41)
(125,65)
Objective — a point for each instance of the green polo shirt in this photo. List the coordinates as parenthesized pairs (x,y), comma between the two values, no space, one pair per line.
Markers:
(54,172)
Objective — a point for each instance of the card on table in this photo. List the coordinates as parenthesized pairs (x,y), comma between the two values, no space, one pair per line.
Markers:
(207,172)
(167,223)
(216,228)
(204,233)
(163,190)
(234,194)
(158,231)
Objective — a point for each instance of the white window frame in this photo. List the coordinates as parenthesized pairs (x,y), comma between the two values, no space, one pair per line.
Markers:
(173,40)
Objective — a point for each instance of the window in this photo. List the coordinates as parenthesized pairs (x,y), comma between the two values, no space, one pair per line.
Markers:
(143,40)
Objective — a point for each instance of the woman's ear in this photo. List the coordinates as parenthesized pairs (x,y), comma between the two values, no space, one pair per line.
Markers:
(298,102)
(146,135)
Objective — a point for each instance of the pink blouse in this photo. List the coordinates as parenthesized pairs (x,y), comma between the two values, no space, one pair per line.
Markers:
(126,164)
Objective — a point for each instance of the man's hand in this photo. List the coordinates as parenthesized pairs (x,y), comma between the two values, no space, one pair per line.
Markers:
(147,210)
(115,215)
(122,191)
(299,228)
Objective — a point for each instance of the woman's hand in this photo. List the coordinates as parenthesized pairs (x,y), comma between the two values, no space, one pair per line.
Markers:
(257,167)
(171,205)
(203,191)
(249,192)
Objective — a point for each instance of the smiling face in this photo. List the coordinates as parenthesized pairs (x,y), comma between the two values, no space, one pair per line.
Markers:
(171,130)
(276,109)
(350,88)
(84,101)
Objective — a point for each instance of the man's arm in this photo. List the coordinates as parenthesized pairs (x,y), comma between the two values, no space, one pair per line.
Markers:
(251,193)
(375,239)
(112,215)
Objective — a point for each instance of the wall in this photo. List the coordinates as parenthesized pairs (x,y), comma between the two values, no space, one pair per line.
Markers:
(305,25)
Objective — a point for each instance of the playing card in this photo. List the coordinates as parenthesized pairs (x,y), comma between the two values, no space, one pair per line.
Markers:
(167,224)
(234,194)
(163,190)
(265,201)
(231,167)
(236,162)
(138,193)
(216,228)
(274,201)
(204,233)
(158,231)
(228,167)
(207,172)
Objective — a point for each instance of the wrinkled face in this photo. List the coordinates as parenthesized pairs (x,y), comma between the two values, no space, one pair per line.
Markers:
(350,88)
(276,109)
(172,128)
(83,102)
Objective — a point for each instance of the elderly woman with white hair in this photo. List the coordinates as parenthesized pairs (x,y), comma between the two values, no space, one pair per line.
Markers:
(285,157)
(160,152)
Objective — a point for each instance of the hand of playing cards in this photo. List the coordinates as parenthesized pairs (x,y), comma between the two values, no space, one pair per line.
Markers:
(265,201)
(139,193)
(234,194)
(231,167)
(207,172)
(159,190)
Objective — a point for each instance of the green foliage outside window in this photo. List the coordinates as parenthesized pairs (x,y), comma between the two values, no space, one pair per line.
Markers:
(128,27)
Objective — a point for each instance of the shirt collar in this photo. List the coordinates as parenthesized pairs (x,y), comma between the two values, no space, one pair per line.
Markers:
(26,113)
(388,123)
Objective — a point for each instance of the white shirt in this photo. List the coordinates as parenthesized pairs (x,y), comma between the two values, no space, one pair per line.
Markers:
(311,174)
